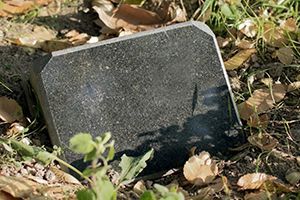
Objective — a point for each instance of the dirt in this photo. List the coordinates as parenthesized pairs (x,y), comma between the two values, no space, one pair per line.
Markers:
(16,61)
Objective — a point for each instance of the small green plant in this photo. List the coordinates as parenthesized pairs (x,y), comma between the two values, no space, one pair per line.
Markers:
(101,188)
(99,152)
(162,193)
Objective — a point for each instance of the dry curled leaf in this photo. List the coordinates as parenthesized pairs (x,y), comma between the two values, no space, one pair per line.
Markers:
(262,100)
(258,121)
(76,38)
(289,25)
(253,181)
(261,195)
(277,186)
(15,129)
(248,27)
(274,35)
(285,55)
(139,187)
(10,110)
(200,169)
(245,44)
(18,187)
(11,7)
(238,59)
(128,17)
(263,141)
(223,42)
(6,196)
(293,86)
(35,38)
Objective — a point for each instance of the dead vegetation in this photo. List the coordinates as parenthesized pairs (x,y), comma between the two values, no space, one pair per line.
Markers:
(259,41)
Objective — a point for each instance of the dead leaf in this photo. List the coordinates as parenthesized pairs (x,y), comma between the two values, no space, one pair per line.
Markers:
(55,45)
(16,7)
(289,25)
(293,177)
(274,35)
(277,186)
(223,42)
(267,81)
(262,100)
(17,186)
(200,169)
(6,196)
(15,129)
(106,5)
(293,86)
(128,17)
(204,194)
(260,121)
(35,38)
(9,8)
(263,141)
(253,181)
(245,44)
(176,14)
(64,177)
(285,55)
(10,110)
(248,28)
(262,195)
(139,187)
(219,184)
(238,59)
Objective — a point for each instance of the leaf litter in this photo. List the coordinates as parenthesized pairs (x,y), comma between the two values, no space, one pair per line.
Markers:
(261,104)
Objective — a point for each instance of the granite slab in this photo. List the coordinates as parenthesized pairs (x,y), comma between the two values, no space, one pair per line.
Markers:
(165,89)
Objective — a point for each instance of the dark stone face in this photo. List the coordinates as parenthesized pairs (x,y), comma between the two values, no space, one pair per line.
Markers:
(164,89)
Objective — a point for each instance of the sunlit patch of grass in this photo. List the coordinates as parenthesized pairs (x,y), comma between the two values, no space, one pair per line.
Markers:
(27,17)
(225,16)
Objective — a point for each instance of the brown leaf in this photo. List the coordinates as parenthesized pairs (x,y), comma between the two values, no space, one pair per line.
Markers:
(238,59)
(274,36)
(245,44)
(139,187)
(262,100)
(253,181)
(263,141)
(16,7)
(15,129)
(6,196)
(289,25)
(35,38)
(129,17)
(76,38)
(8,8)
(277,186)
(285,55)
(10,110)
(17,186)
(248,28)
(219,184)
(260,121)
(55,45)
(176,14)
(223,42)
(200,169)
(293,86)
(64,177)
(261,195)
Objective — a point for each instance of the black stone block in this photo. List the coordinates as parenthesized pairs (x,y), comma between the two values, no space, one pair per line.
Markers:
(165,89)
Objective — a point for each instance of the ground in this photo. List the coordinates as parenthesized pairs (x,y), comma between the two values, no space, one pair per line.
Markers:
(272,147)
